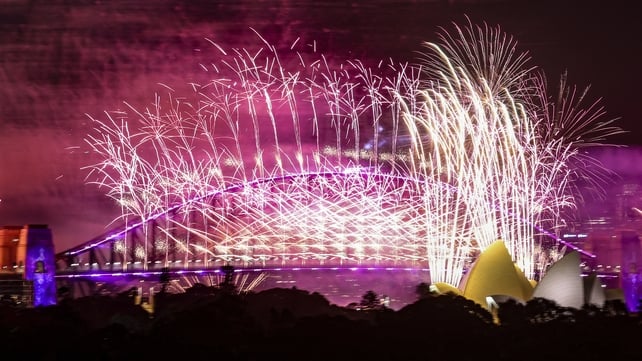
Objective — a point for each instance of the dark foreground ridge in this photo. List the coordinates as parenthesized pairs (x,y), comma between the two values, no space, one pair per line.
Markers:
(292,324)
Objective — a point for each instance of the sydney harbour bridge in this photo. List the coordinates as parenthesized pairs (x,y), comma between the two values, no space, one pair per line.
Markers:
(339,233)
(279,231)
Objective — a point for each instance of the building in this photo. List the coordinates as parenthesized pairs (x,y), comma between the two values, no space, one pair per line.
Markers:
(27,266)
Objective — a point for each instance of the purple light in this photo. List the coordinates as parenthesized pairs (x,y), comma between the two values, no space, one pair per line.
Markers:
(40,266)
(266,269)
(256,182)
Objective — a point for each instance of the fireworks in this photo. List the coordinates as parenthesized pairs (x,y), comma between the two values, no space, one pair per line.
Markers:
(311,163)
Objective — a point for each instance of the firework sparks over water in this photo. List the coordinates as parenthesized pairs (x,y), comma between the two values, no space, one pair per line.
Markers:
(310,162)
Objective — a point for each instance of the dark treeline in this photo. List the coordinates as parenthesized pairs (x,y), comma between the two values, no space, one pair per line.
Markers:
(292,324)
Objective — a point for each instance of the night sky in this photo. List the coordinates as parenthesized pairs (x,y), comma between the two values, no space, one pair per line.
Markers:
(63,60)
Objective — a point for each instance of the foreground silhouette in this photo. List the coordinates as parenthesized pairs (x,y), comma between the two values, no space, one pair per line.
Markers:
(292,324)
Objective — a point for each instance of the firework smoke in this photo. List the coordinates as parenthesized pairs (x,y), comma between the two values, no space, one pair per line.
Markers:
(307,162)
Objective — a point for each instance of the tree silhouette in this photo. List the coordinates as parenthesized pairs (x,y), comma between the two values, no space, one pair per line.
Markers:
(370,301)
(228,279)
(164,279)
(423,290)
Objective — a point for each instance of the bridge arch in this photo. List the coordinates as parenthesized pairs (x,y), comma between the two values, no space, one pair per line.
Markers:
(356,217)
(349,217)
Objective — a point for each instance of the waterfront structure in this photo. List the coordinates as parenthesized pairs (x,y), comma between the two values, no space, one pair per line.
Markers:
(494,278)
(27,264)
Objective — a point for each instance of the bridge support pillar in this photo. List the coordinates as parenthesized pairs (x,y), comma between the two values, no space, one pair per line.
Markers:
(631,270)
(40,265)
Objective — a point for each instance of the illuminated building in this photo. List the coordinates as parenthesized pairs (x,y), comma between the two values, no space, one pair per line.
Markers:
(495,274)
(28,267)
(494,278)
(611,228)
(12,248)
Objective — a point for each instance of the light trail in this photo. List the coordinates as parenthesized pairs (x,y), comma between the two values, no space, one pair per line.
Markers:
(311,163)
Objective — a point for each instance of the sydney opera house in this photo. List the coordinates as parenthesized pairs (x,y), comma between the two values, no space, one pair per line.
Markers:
(494,278)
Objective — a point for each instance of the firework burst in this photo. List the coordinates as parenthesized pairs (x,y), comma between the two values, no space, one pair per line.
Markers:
(322,164)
